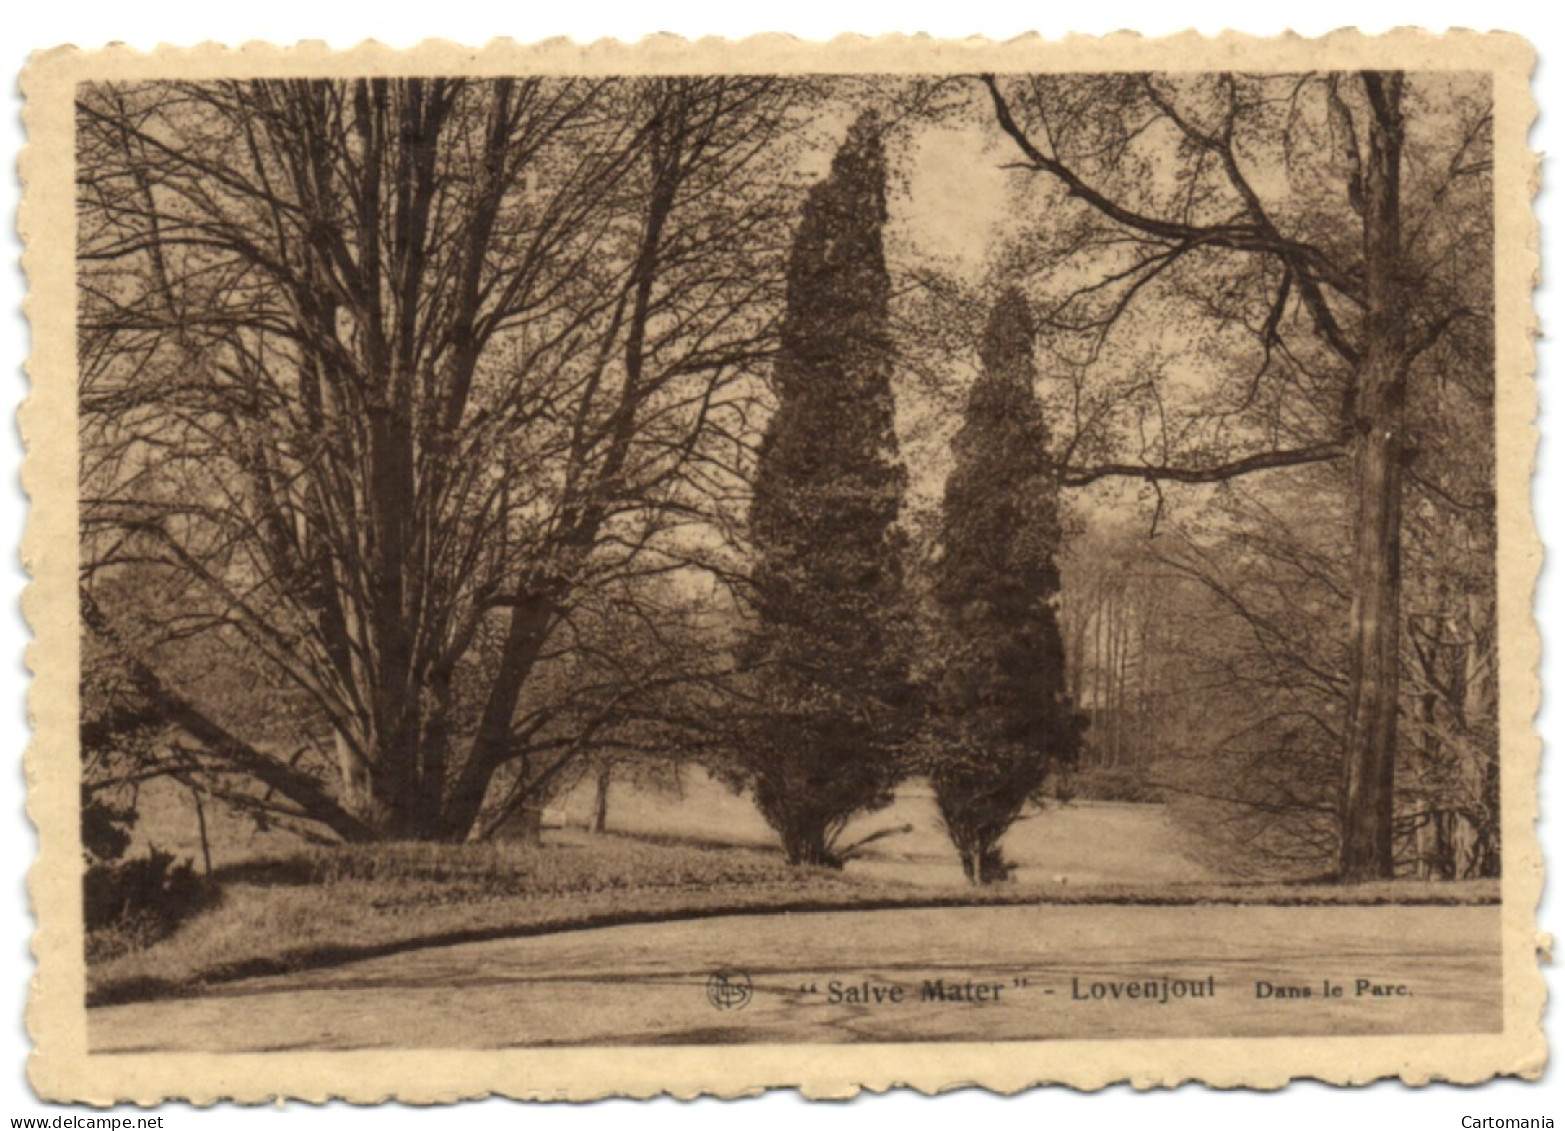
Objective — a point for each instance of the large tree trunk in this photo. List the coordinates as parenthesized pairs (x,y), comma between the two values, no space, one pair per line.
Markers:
(1369,763)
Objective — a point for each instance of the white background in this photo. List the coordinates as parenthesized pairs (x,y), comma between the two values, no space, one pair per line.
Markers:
(32,24)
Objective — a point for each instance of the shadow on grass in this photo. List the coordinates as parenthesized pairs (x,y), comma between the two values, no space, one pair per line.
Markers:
(291,872)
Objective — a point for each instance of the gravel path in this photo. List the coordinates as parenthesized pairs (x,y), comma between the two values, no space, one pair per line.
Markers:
(1002,973)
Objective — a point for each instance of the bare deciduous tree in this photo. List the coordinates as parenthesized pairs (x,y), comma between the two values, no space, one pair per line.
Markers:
(383,375)
(1327,236)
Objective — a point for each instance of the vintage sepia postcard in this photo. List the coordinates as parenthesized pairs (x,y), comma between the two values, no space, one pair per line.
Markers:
(689,568)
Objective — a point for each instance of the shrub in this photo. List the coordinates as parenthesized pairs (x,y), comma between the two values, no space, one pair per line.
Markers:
(105,826)
(1115,783)
(136,902)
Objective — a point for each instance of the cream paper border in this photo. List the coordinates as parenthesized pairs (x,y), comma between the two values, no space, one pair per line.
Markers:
(61,1067)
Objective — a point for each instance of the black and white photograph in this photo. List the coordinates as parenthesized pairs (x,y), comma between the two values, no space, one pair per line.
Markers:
(818,549)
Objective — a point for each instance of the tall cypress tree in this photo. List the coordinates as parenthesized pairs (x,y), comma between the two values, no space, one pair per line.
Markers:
(828,580)
(1003,718)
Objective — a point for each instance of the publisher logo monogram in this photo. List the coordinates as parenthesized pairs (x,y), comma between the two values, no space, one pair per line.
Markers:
(729,989)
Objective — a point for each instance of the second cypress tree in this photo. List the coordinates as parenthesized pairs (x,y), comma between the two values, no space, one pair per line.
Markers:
(1002,718)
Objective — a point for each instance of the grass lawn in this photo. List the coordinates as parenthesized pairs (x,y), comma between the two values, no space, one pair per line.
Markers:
(324,906)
